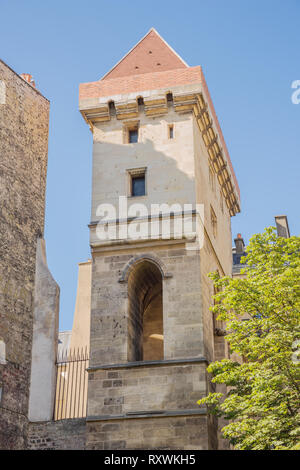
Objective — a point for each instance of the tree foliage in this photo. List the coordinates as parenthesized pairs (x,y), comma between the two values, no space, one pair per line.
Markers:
(261,312)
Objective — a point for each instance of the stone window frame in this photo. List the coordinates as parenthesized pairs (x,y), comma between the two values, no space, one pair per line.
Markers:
(131,126)
(133,172)
(129,268)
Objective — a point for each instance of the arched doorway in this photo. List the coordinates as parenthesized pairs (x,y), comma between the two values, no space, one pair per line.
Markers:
(145,312)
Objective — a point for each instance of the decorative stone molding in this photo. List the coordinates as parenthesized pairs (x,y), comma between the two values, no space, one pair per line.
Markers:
(148,414)
(196,102)
(139,259)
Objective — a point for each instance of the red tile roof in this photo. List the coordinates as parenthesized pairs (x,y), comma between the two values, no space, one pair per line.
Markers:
(150,54)
(139,71)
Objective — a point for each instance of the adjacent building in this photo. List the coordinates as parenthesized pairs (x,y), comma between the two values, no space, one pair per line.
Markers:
(24,121)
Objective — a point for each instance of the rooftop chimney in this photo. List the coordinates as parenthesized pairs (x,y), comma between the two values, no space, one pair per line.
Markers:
(28,78)
(239,244)
(282,226)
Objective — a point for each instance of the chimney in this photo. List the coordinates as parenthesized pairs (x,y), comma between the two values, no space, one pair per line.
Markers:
(239,244)
(282,226)
(28,78)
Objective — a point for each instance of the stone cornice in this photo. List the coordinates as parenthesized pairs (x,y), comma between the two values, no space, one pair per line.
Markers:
(138,243)
(148,414)
(162,362)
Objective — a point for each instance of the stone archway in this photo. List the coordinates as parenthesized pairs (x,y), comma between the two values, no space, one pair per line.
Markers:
(145,327)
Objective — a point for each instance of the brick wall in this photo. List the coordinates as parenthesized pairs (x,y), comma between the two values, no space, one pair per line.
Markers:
(150,54)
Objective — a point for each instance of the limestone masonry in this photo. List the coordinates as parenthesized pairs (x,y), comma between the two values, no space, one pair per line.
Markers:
(143,299)
(152,334)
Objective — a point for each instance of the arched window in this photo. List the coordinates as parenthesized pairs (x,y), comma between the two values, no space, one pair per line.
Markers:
(145,327)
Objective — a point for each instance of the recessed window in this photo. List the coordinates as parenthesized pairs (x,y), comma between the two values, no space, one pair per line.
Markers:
(112,108)
(137,182)
(133,136)
(138,185)
(171,131)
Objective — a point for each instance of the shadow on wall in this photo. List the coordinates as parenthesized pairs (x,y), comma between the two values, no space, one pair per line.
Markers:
(170,179)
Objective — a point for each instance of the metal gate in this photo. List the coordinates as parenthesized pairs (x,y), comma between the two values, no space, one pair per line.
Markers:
(71,384)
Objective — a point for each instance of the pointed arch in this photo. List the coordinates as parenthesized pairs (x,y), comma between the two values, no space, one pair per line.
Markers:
(144,276)
(139,259)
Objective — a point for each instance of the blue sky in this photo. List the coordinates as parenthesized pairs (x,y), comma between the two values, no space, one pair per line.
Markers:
(250,54)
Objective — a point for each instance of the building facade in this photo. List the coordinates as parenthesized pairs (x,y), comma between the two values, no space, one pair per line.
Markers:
(163,194)
(159,162)
(24,119)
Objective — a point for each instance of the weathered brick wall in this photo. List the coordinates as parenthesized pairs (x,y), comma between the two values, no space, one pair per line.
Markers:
(57,435)
(24,117)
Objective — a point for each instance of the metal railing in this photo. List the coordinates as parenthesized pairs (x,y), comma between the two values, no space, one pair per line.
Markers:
(71,384)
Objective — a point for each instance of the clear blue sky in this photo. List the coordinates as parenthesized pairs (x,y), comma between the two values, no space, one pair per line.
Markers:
(250,53)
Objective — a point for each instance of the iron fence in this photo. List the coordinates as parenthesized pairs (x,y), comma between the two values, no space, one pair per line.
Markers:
(71,384)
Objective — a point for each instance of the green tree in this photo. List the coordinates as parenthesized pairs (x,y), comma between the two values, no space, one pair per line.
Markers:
(261,311)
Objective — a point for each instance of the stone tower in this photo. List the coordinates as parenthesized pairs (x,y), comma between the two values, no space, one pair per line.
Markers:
(157,145)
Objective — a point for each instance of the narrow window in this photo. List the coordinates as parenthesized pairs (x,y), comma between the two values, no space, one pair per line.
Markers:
(137,182)
(171,131)
(138,185)
(133,136)
(112,109)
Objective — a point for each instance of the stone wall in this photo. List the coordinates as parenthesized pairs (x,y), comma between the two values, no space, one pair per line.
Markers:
(118,389)
(182,306)
(44,340)
(24,117)
(173,432)
(149,387)
(57,435)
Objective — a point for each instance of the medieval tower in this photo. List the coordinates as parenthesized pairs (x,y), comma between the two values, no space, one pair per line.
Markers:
(157,144)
